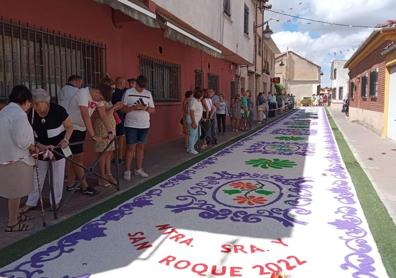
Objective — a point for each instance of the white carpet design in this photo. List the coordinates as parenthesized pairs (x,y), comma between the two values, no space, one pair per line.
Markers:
(278,200)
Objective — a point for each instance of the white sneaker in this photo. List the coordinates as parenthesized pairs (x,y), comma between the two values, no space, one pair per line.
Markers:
(127,175)
(193,152)
(142,173)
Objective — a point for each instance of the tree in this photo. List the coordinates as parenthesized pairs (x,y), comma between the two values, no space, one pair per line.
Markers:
(279,88)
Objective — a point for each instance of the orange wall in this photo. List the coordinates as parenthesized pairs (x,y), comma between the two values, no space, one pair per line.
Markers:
(89,20)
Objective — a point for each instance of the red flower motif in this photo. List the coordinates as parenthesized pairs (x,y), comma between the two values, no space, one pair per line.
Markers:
(250,200)
(243,185)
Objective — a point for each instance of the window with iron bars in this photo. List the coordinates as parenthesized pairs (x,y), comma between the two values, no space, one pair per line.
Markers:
(373,83)
(42,59)
(163,78)
(199,82)
(213,82)
(352,89)
(363,86)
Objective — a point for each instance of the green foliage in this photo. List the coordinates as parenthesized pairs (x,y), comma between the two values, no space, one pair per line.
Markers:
(268,163)
(279,88)
(232,191)
(264,192)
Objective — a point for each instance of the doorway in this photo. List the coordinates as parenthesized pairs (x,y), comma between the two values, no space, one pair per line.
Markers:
(392,104)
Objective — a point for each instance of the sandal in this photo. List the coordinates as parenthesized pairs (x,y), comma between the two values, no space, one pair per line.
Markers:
(24,218)
(18,227)
(75,186)
(111,178)
(104,183)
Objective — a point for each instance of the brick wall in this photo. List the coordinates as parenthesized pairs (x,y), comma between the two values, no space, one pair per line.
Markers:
(371,62)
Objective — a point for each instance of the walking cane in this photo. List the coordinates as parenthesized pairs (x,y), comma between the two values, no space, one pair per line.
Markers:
(51,185)
(40,195)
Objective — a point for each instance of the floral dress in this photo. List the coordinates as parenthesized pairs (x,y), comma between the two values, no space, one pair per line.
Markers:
(101,131)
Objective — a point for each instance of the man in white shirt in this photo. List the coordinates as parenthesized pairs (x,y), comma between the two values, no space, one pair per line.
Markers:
(139,104)
(81,107)
(69,90)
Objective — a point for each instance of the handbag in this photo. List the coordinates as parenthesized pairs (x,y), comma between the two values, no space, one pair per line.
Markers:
(117,118)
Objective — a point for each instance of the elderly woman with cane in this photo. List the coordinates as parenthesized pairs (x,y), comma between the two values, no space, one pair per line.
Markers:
(52,128)
(16,162)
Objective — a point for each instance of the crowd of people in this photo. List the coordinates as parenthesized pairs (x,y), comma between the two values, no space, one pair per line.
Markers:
(205,114)
(321,100)
(38,135)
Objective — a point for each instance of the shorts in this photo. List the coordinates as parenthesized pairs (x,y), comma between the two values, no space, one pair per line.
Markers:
(136,135)
(77,136)
(120,129)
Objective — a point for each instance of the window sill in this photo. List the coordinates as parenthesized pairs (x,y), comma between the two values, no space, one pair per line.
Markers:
(374,98)
(364,98)
(246,35)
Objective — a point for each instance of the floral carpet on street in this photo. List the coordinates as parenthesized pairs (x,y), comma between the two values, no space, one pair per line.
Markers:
(279,200)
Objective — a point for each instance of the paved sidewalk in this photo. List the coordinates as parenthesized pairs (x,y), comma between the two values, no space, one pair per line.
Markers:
(376,156)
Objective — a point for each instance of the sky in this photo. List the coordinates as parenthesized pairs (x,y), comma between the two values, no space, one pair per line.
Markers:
(323,43)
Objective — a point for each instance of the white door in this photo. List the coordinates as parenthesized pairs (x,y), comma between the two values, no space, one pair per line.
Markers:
(392,105)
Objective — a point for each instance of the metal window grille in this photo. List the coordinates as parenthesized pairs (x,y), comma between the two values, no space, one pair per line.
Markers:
(199,82)
(352,89)
(213,82)
(163,78)
(246,20)
(234,89)
(227,7)
(39,58)
(364,86)
(373,83)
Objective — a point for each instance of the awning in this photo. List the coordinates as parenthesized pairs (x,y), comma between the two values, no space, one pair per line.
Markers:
(175,33)
(171,30)
(133,10)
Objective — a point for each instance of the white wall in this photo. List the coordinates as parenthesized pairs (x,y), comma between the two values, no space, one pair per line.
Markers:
(233,36)
(302,89)
(207,17)
(341,79)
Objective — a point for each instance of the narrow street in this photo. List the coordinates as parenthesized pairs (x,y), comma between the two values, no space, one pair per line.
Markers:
(279,200)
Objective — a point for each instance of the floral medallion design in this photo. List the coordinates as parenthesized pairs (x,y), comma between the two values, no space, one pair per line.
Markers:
(297,132)
(247,197)
(247,193)
(275,163)
(290,138)
(281,148)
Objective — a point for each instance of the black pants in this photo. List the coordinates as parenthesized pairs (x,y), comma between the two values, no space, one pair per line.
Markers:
(221,122)
(272,107)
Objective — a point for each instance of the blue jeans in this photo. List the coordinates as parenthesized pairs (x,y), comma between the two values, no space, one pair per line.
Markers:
(193,134)
(136,135)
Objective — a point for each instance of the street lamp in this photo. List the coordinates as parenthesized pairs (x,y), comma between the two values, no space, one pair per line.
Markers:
(267,32)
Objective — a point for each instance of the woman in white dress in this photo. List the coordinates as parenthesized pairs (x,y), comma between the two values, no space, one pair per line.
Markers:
(16,162)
